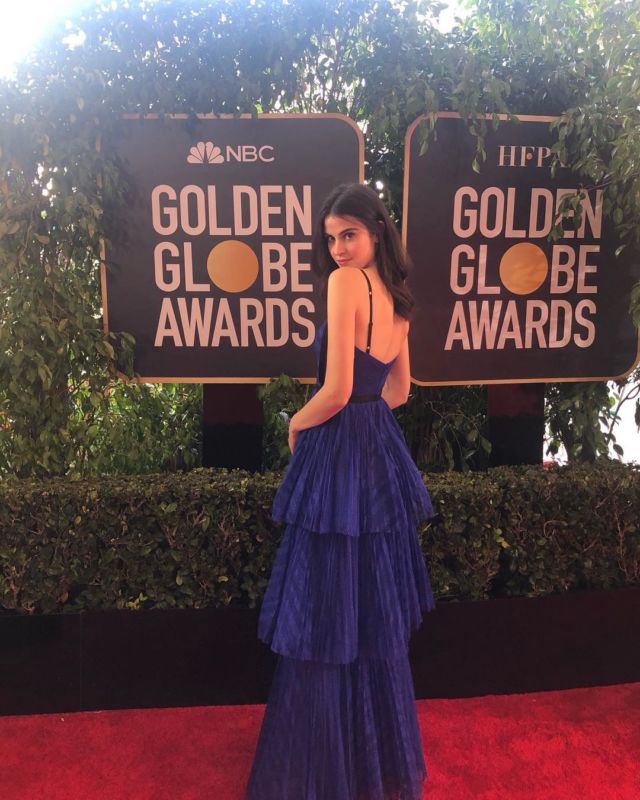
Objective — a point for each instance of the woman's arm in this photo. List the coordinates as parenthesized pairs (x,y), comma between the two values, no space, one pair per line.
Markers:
(392,400)
(320,408)
(341,332)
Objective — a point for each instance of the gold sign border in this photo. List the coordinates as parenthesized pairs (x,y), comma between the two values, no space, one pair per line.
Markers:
(405,208)
(103,256)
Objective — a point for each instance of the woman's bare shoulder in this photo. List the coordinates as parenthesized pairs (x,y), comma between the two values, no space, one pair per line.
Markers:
(343,277)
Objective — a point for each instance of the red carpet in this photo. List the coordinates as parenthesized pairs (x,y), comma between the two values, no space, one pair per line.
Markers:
(577,743)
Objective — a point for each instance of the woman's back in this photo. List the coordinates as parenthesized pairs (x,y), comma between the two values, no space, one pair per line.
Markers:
(389,330)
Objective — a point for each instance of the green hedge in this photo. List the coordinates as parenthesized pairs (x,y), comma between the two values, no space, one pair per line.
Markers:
(205,537)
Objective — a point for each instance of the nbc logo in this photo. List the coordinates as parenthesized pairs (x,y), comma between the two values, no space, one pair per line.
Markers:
(210,153)
(205,153)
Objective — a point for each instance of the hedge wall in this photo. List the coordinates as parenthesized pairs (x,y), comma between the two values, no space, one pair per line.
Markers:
(205,537)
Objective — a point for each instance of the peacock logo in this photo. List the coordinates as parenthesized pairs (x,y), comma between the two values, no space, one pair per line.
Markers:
(205,153)
(210,153)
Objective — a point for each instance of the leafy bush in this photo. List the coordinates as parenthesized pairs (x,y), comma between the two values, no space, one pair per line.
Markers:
(206,538)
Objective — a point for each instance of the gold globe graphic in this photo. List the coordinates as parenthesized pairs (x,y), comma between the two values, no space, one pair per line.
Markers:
(232,266)
(523,268)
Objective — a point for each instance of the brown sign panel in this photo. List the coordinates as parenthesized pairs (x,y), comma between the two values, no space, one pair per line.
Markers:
(498,301)
(207,260)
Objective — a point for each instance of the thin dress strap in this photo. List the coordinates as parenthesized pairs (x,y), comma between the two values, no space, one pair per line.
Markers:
(370,311)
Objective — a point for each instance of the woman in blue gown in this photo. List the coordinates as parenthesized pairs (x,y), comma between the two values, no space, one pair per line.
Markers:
(349,581)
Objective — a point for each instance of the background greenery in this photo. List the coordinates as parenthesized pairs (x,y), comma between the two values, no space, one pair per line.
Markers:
(206,538)
(63,410)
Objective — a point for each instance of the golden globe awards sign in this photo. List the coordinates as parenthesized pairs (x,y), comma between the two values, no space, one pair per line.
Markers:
(208,259)
(497,301)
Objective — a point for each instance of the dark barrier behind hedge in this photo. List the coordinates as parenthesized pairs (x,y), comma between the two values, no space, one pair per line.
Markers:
(205,537)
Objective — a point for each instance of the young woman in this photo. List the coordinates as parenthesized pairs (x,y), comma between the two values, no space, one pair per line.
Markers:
(349,581)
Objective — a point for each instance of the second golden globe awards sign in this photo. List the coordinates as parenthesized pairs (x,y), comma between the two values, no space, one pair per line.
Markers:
(497,301)
(208,260)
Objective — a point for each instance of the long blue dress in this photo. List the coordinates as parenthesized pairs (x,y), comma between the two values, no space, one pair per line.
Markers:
(348,585)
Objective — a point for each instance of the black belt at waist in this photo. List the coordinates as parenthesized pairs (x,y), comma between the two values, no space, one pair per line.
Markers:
(358,398)
(363,398)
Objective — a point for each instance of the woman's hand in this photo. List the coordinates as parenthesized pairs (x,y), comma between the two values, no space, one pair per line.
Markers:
(293,432)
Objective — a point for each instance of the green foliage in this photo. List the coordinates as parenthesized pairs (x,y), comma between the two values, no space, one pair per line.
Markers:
(575,419)
(446,427)
(147,428)
(381,62)
(600,131)
(206,538)
(281,399)
(463,544)
(582,417)
(156,541)
(568,528)
(621,391)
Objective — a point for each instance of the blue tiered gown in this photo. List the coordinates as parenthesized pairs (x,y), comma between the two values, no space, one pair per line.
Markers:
(348,585)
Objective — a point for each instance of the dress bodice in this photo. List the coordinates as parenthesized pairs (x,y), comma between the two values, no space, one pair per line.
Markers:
(369,372)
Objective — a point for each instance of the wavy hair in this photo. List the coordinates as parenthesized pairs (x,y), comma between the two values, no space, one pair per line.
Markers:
(392,260)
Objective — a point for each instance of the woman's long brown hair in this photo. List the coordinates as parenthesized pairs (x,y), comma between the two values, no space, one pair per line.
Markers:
(362,202)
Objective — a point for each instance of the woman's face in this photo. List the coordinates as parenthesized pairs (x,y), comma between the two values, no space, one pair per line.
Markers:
(349,242)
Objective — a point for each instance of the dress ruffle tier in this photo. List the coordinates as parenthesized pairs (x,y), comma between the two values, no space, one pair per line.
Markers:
(333,597)
(353,475)
(339,732)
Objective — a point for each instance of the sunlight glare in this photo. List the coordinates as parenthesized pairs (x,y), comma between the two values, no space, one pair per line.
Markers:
(23,23)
